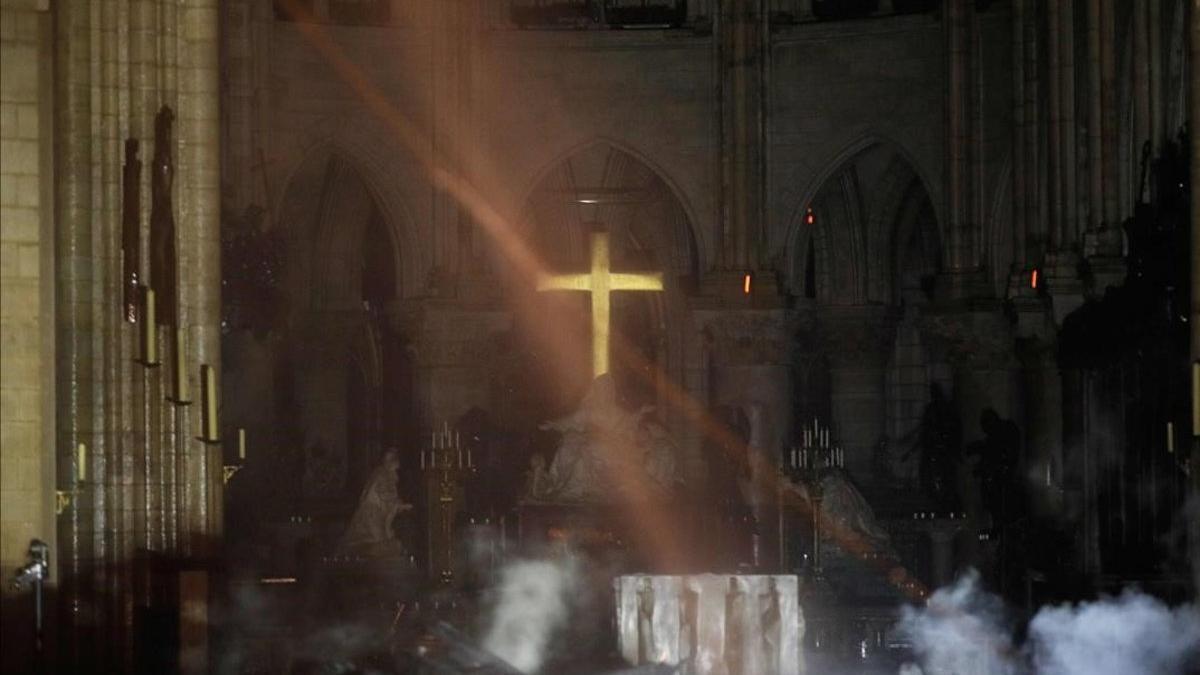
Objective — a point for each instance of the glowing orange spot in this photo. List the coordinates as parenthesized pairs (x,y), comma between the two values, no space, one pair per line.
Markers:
(809,218)
(746,284)
(1033,279)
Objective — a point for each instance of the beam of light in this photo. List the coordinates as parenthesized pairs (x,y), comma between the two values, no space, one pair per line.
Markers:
(654,526)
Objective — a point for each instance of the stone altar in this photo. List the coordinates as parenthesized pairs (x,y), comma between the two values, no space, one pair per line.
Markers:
(712,624)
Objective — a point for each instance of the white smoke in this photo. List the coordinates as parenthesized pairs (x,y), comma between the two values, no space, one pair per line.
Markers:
(1134,633)
(531,606)
(962,631)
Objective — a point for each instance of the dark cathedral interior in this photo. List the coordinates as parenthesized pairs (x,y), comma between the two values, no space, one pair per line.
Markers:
(572,337)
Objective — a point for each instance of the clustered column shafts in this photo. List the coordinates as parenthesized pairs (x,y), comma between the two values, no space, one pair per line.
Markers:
(957,111)
(151,484)
(741,60)
(1054,148)
(1070,228)
(1020,225)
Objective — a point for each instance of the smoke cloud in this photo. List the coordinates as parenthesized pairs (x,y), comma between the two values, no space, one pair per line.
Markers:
(1134,633)
(963,630)
(531,606)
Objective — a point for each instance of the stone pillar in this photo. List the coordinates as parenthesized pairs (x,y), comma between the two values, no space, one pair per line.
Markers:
(1194,117)
(151,484)
(741,51)
(858,341)
(751,370)
(943,530)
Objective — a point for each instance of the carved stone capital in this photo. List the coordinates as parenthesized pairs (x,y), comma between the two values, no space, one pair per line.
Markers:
(970,336)
(751,337)
(451,336)
(857,334)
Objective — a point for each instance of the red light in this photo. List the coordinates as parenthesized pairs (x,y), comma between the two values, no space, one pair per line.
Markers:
(746,284)
(1033,279)
(809,218)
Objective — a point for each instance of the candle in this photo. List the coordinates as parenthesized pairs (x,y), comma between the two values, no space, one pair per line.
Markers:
(149,330)
(1047,474)
(469,464)
(1170,437)
(241,444)
(81,463)
(459,458)
(422,460)
(181,392)
(208,387)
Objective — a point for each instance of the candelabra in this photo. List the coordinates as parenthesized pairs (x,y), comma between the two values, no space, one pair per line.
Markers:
(809,464)
(446,466)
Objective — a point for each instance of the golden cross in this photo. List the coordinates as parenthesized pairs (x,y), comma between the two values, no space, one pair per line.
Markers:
(601,281)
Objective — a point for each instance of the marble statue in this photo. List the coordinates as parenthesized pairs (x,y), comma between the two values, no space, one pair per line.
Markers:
(606,451)
(847,518)
(370,529)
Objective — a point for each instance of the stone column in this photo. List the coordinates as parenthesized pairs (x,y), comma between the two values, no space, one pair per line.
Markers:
(741,52)
(751,370)
(151,484)
(858,340)
(1194,117)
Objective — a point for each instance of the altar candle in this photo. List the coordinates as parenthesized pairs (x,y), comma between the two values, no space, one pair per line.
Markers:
(208,421)
(1170,437)
(241,444)
(149,330)
(81,463)
(469,464)
(181,392)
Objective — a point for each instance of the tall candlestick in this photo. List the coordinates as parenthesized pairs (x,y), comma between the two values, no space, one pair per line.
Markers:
(81,463)
(149,329)
(208,414)
(469,463)
(241,444)
(180,393)
(1170,437)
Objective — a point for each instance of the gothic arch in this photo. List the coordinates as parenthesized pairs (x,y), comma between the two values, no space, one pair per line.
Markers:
(327,208)
(866,220)
(383,167)
(699,246)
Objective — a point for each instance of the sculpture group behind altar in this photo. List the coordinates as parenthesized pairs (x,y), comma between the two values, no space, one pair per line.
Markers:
(606,454)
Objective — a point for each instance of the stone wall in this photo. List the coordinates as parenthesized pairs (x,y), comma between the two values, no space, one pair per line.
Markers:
(26,307)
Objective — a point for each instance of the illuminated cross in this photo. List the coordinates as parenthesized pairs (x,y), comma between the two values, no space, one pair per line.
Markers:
(600,282)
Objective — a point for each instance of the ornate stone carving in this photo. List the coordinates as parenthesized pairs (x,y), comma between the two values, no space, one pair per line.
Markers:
(970,337)
(860,334)
(752,337)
